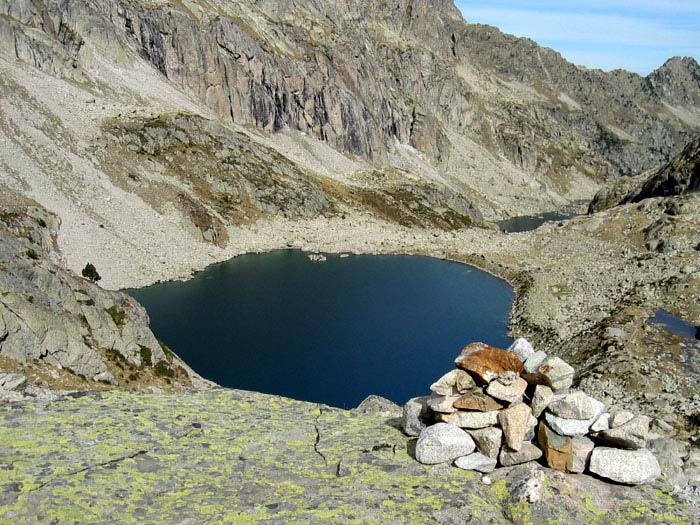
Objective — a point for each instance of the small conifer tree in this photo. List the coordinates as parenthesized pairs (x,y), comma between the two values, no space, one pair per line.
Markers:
(90,272)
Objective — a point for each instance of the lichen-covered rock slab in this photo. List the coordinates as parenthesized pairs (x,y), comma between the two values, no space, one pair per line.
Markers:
(208,457)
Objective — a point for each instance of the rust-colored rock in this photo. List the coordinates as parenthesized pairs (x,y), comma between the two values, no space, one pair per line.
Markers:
(487,362)
(477,401)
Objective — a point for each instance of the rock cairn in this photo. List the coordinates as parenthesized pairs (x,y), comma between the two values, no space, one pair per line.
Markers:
(506,407)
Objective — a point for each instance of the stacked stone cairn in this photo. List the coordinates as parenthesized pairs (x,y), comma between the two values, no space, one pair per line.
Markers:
(506,407)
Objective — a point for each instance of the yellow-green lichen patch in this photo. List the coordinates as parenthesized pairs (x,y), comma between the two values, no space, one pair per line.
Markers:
(226,456)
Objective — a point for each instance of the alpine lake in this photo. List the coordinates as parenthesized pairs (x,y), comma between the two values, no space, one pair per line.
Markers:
(332,331)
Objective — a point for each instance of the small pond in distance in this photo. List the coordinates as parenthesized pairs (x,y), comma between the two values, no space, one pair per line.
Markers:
(331,332)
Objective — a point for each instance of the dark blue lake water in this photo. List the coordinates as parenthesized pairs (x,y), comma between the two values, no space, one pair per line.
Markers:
(526,223)
(331,332)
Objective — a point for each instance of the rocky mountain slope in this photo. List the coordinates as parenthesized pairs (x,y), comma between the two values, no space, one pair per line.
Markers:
(398,110)
(59,332)
(681,176)
(153,138)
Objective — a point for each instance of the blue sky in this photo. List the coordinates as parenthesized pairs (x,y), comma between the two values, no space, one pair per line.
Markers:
(637,35)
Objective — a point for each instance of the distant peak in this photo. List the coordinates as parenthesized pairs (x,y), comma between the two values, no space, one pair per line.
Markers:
(679,63)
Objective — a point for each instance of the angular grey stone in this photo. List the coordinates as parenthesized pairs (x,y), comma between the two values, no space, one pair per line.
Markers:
(555,373)
(11,381)
(527,452)
(470,419)
(573,427)
(581,448)
(540,400)
(632,467)
(508,378)
(414,412)
(534,361)
(379,406)
(443,442)
(105,377)
(522,348)
(442,404)
(510,393)
(575,405)
(488,440)
(454,382)
(476,461)
(515,423)
(602,423)
(632,434)
(620,418)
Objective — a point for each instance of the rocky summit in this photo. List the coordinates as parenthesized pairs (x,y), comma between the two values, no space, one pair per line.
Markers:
(143,140)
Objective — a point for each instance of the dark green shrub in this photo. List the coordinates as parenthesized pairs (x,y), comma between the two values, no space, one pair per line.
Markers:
(162,369)
(32,254)
(90,272)
(145,356)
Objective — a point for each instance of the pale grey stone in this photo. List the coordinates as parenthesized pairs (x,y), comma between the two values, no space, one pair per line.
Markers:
(522,348)
(443,442)
(540,400)
(454,382)
(534,361)
(515,423)
(105,377)
(573,427)
(575,405)
(632,467)
(508,378)
(631,434)
(476,461)
(527,452)
(602,423)
(621,417)
(488,440)
(581,448)
(555,373)
(510,393)
(470,419)
(9,381)
(414,412)
(442,404)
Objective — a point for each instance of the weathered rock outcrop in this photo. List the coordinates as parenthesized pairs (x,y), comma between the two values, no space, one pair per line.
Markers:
(679,177)
(63,331)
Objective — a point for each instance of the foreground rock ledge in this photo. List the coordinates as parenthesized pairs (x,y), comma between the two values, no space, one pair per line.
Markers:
(241,457)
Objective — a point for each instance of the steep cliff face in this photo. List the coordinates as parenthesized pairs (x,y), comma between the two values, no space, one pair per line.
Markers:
(486,109)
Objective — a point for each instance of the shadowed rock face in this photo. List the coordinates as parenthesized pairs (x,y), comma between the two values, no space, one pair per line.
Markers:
(679,177)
